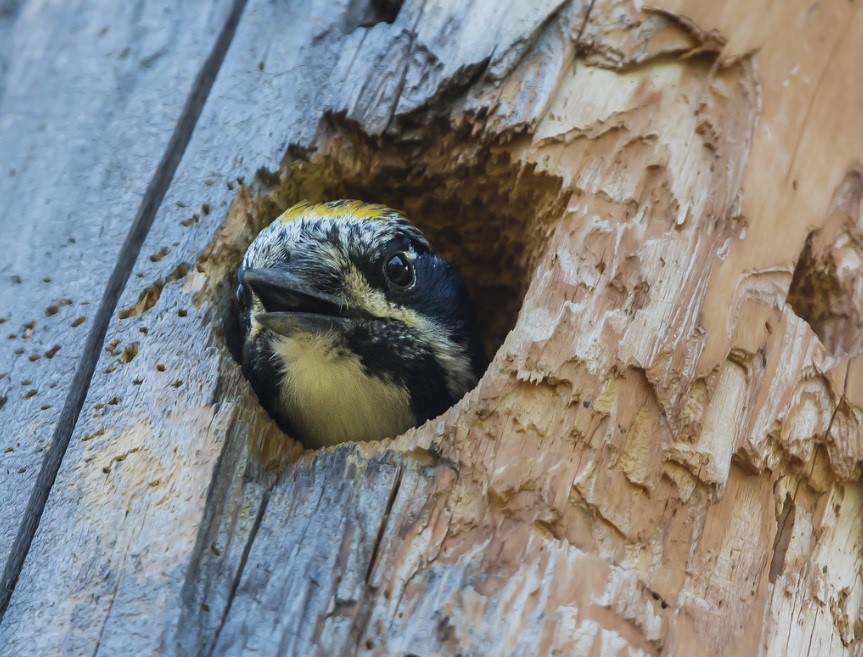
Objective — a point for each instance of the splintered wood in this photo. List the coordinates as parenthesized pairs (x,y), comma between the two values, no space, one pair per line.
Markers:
(665,455)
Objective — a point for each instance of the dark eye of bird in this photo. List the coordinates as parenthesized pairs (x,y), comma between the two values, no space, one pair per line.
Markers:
(399,270)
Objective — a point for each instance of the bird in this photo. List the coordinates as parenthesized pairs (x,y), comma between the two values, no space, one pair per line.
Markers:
(352,328)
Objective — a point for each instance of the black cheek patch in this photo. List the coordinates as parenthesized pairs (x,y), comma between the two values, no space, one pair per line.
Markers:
(235,326)
(391,351)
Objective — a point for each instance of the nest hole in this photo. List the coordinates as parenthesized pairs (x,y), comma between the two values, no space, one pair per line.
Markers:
(483,212)
(368,13)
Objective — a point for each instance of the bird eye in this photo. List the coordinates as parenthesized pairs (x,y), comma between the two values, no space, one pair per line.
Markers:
(399,270)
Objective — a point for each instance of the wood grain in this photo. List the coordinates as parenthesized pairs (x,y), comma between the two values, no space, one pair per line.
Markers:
(9,11)
(664,457)
(90,123)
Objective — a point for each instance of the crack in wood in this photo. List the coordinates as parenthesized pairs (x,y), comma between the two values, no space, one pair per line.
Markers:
(114,592)
(361,619)
(128,255)
(9,11)
(244,559)
(384,520)
(783,539)
(583,26)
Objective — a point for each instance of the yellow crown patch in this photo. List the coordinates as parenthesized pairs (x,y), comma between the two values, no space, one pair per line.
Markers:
(341,209)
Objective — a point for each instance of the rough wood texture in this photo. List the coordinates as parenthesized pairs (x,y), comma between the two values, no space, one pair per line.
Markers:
(664,457)
(9,10)
(99,100)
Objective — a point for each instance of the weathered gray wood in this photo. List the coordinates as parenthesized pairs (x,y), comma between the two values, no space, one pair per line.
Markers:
(9,10)
(123,549)
(328,518)
(99,100)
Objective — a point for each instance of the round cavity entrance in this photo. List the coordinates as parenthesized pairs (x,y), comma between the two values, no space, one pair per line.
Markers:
(484,212)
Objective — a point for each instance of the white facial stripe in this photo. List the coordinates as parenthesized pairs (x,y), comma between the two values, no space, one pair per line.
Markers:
(455,363)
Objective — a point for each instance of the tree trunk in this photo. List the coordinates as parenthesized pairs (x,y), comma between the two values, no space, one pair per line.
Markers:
(658,211)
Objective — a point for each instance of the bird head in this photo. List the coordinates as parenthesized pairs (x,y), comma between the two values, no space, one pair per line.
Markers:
(353,329)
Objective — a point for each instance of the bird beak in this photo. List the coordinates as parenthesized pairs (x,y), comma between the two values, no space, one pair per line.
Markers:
(290,323)
(292,305)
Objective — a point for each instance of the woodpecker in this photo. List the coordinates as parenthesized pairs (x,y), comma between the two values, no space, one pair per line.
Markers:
(352,328)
